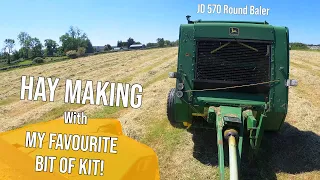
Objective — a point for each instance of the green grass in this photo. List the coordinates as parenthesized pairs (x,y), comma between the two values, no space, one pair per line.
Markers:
(8,101)
(149,68)
(4,64)
(58,111)
(25,62)
(126,79)
(107,112)
(49,59)
(29,61)
(160,77)
(161,132)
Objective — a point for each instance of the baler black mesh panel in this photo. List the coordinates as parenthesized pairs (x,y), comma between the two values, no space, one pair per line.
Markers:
(234,64)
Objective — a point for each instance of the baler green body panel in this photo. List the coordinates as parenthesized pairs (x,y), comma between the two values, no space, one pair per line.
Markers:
(279,92)
(186,38)
(221,30)
(195,101)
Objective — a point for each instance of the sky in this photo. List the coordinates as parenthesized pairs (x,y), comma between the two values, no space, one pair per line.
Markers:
(106,21)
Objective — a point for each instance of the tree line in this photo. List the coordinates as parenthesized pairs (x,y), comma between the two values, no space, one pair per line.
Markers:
(31,47)
(160,42)
(298,45)
(74,43)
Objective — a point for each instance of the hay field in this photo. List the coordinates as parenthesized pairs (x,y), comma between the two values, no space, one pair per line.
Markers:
(293,153)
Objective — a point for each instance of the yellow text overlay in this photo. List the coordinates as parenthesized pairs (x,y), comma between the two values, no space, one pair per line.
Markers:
(55,150)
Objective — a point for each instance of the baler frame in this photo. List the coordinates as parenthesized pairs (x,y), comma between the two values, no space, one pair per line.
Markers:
(230,113)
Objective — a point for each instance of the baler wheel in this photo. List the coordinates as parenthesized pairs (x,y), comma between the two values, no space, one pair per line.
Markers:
(171,110)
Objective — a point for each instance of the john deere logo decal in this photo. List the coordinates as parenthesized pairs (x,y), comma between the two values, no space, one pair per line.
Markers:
(233,31)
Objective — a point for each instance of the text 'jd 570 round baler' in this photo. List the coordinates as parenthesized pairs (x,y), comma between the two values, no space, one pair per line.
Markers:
(232,77)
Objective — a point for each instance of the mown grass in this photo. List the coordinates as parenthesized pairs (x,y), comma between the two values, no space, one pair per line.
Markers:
(107,112)
(299,65)
(58,111)
(304,86)
(8,100)
(307,67)
(160,77)
(51,115)
(174,146)
(113,111)
(149,68)
(126,80)
(110,111)
(163,134)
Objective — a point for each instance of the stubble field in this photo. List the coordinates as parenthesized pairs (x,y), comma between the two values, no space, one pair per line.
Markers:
(293,153)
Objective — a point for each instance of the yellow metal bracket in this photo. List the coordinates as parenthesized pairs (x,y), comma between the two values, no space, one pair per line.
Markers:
(188,125)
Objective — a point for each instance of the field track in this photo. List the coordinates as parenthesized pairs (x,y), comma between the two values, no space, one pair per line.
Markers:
(293,153)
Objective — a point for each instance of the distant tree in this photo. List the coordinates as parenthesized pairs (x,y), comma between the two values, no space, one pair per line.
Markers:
(130,41)
(124,44)
(107,47)
(160,42)
(24,40)
(298,45)
(15,55)
(119,44)
(150,45)
(8,46)
(22,52)
(36,48)
(176,43)
(51,47)
(89,48)
(167,43)
(60,52)
(73,39)
(67,42)
(4,54)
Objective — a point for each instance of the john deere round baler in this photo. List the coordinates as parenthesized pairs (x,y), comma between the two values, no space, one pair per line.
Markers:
(232,77)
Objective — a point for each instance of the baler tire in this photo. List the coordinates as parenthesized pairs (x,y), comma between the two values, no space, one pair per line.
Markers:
(171,110)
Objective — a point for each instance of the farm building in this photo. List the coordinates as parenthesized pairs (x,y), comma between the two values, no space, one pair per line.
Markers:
(137,46)
(311,46)
(117,48)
